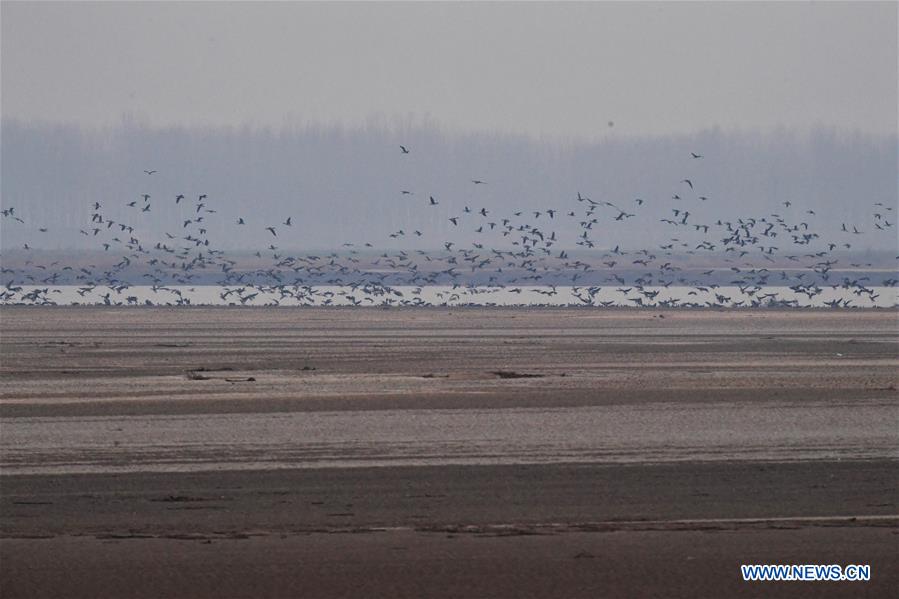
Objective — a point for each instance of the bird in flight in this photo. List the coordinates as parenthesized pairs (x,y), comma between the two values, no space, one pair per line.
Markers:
(478,182)
(404,149)
(272,229)
(150,172)
(695,155)
(287,222)
(433,201)
(688,182)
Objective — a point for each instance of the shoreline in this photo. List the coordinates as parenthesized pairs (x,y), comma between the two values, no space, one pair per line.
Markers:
(303,500)
(675,530)
(133,388)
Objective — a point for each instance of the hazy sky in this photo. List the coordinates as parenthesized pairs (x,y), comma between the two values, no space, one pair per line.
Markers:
(534,68)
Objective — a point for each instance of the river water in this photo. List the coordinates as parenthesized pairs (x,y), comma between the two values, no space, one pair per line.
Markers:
(725,296)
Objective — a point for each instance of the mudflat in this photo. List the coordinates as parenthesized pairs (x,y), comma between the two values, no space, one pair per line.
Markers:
(495,452)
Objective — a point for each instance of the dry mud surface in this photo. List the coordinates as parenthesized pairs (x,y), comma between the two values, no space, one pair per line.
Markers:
(216,452)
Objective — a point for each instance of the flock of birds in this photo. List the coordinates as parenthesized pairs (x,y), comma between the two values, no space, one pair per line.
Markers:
(519,252)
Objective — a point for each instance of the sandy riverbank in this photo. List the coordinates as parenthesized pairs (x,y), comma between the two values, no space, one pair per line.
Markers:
(494,527)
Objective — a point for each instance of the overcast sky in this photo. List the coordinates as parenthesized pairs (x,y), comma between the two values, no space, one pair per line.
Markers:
(537,68)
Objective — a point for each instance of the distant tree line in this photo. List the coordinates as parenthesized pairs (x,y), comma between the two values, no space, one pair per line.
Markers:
(345,184)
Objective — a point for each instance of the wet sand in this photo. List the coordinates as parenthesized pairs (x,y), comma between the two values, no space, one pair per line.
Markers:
(673,512)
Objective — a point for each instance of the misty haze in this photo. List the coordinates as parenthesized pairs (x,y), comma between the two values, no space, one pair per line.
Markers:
(457,299)
(346,184)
